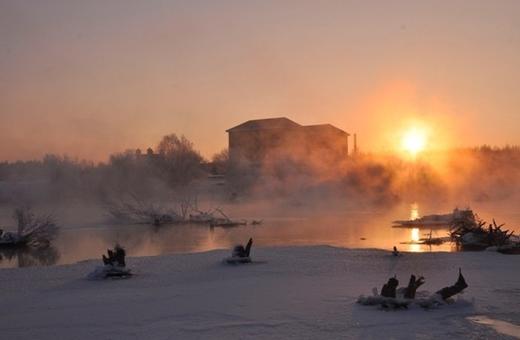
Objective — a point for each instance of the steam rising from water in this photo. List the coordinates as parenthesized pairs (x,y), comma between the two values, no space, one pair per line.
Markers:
(304,199)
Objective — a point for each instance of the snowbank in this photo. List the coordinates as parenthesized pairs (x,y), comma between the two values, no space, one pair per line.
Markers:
(293,292)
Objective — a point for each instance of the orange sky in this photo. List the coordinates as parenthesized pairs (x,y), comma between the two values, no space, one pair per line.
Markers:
(88,78)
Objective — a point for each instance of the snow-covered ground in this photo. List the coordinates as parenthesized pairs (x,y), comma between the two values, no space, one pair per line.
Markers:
(292,292)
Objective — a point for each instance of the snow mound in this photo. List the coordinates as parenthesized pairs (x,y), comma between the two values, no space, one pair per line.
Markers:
(297,293)
(109,271)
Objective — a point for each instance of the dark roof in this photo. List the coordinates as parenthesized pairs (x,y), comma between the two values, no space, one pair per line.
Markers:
(282,123)
(264,124)
(321,127)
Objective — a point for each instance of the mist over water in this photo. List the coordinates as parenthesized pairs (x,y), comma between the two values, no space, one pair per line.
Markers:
(303,199)
(88,239)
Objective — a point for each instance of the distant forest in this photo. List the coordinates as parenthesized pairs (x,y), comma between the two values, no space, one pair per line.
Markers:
(473,174)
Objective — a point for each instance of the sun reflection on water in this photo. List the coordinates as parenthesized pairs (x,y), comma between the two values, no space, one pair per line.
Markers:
(414,232)
(415,235)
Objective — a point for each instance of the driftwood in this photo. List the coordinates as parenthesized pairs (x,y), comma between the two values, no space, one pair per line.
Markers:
(467,230)
(458,287)
(33,231)
(114,266)
(202,217)
(240,251)
(240,254)
(391,297)
(134,210)
(226,221)
(115,257)
(389,288)
(413,284)
(472,234)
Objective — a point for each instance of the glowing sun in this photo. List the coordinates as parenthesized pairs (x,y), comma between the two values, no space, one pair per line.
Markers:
(414,141)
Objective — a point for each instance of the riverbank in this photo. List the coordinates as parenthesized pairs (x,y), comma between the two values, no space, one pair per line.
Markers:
(290,292)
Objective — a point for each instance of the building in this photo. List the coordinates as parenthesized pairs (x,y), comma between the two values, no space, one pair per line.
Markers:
(258,140)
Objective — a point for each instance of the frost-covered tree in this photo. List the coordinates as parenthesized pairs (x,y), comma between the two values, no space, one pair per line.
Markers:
(179,162)
(220,162)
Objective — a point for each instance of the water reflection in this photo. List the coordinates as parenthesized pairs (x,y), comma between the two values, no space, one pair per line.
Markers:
(350,230)
(415,237)
(28,256)
(418,234)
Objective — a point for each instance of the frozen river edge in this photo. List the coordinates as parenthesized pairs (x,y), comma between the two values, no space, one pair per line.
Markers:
(289,292)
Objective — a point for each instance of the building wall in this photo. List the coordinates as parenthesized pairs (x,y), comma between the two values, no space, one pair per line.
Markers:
(317,143)
(254,145)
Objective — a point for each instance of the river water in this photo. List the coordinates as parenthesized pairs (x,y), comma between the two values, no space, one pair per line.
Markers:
(356,229)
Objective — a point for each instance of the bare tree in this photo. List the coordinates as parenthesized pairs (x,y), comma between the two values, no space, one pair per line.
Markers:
(220,162)
(36,231)
(179,161)
(132,209)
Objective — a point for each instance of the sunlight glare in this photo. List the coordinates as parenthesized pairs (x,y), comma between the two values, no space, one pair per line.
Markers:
(414,211)
(414,141)
(415,235)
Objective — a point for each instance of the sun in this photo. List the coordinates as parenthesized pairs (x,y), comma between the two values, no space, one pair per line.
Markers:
(414,141)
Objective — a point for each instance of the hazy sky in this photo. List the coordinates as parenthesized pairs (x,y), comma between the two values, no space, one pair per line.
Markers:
(88,78)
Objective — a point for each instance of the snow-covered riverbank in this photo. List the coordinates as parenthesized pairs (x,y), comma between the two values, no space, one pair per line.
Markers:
(291,292)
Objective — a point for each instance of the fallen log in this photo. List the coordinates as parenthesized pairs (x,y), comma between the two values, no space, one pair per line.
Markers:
(413,284)
(391,297)
(389,288)
(458,287)
(114,265)
(240,254)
